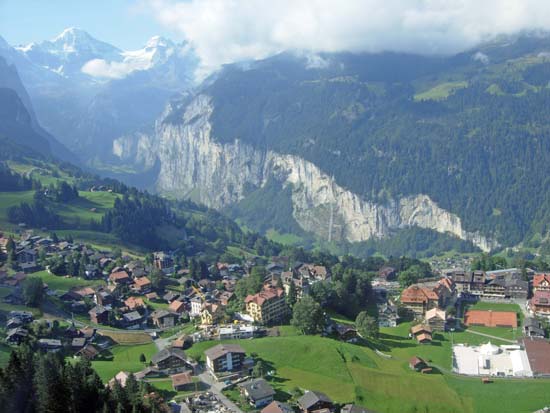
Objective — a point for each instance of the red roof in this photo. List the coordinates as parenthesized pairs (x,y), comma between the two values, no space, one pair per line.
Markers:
(176,306)
(119,275)
(264,295)
(490,318)
(417,294)
(143,281)
(541,298)
(541,280)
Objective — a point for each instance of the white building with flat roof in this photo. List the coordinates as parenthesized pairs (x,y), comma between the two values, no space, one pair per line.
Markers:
(491,360)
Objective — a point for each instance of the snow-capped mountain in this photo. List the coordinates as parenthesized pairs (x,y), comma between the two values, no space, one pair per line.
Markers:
(75,53)
(88,93)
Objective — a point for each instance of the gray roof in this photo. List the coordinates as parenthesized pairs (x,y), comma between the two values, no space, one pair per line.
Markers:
(311,397)
(132,316)
(168,352)
(222,349)
(257,389)
(353,408)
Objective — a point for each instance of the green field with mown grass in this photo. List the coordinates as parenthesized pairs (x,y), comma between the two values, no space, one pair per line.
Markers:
(349,372)
(124,358)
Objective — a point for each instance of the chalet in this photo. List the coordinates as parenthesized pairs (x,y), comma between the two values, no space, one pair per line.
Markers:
(16,335)
(163,318)
(27,256)
(177,307)
(510,286)
(346,333)
(419,299)
(78,342)
(540,302)
(99,315)
(436,319)
(387,273)
(313,401)
(541,282)
(257,392)
(533,328)
(103,297)
(470,282)
(301,284)
(225,297)
(142,285)
(172,360)
(488,318)
(267,306)
(132,319)
(182,381)
(162,260)
(50,344)
(387,315)
(152,296)
(277,407)
(134,303)
(88,352)
(225,357)
(353,408)
(149,372)
(121,377)
(120,278)
(171,296)
(211,314)
(422,333)
(417,364)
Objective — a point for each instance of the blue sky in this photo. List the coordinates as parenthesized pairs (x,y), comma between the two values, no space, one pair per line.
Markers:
(119,22)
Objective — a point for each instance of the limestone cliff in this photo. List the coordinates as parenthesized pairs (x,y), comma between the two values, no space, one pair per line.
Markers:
(193,164)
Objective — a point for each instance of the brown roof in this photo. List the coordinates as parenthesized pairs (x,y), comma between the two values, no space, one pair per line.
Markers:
(152,296)
(222,349)
(541,280)
(490,318)
(424,337)
(420,328)
(417,294)
(176,306)
(277,407)
(541,298)
(142,281)
(83,291)
(134,302)
(414,361)
(538,352)
(182,378)
(119,275)
(265,295)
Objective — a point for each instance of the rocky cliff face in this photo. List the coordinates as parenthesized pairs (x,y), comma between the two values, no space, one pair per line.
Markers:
(193,164)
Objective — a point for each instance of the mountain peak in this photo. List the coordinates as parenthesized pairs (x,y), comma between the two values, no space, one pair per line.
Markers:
(158,41)
(71,33)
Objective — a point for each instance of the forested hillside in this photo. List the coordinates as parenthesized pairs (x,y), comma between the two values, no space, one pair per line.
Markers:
(470,131)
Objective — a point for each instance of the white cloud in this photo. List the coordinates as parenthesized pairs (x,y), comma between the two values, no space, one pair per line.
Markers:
(108,70)
(224,31)
(481,57)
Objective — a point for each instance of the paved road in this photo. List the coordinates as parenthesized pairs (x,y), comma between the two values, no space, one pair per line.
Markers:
(490,336)
(215,388)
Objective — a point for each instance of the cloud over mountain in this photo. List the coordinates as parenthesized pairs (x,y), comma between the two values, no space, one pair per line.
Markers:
(224,31)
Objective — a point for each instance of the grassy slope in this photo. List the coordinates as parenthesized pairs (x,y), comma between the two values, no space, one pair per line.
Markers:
(59,283)
(440,91)
(123,358)
(349,372)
